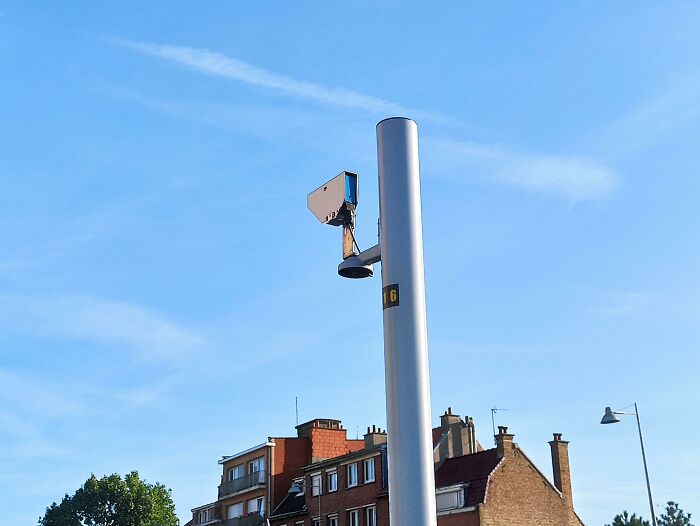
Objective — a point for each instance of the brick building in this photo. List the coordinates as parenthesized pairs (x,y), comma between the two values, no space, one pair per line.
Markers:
(474,486)
(257,480)
(293,476)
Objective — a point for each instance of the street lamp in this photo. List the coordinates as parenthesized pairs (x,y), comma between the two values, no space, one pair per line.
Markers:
(610,417)
(400,250)
(295,489)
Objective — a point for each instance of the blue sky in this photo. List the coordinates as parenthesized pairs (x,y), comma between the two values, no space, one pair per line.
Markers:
(165,294)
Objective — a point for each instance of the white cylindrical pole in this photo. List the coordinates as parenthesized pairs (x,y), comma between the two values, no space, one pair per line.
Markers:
(410,448)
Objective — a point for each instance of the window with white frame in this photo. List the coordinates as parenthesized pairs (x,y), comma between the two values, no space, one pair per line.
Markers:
(256,505)
(203,516)
(317,522)
(449,498)
(234,510)
(368,470)
(371,516)
(257,464)
(352,474)
(316,487)
(332,481)
(354,518)
(235,472)
(333,520)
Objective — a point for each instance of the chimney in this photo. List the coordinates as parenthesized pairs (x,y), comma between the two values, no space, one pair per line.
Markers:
(374,437)
(504,442)
(448,419)
(560,466)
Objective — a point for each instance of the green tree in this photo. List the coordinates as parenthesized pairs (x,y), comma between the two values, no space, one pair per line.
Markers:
(625,519)
(113,501)
(674,516)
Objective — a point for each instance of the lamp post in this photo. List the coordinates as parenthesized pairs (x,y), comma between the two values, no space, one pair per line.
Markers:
(319,487)
(610,417)
(296,489)
(400,249)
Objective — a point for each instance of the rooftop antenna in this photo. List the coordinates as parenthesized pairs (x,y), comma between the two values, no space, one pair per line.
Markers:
(494,409)
(296,408)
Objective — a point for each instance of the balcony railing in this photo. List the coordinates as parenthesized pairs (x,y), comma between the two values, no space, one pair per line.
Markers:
(251,480)
(254,519)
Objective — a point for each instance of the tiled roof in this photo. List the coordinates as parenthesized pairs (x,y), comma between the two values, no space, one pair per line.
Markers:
(291,505)
(473,469)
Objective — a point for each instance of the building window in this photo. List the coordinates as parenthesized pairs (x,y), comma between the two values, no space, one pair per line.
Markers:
(332,481)
(317,522)
(316,485)
(371,516)
(368,466)
(235,472)
(352,474)
(354,518)
(203,516)
(333,521)
(256,506)
(449,498)
(257,464)
(234,511)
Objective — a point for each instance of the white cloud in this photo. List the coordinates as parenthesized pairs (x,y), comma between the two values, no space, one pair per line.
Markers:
(219,65)
(108,322)
(576,178)
(619,304)
(676,108)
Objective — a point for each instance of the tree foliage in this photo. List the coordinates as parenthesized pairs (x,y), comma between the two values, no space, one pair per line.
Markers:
(674,516)
(625,519)
(113,501)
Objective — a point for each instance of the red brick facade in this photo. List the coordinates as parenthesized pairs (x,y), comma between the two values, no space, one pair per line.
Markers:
(495,487)
(283,460)
(475,487)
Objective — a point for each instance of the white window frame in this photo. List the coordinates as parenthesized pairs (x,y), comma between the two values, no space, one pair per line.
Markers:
(456,495)
(204,516)
(241,509)
(356,515)
(316,484)
(238,469)
(257,464)
(371,511)
(352,468)
(366,471)
(332,520)
(331,487)
(258,505)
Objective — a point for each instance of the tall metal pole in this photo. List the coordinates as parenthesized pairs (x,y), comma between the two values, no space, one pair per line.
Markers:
(410,449)
(646,471)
